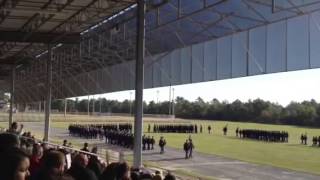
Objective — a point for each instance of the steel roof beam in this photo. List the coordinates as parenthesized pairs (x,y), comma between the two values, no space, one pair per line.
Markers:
(18,36)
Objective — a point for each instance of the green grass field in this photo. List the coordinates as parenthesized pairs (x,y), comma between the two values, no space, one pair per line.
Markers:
(290,155)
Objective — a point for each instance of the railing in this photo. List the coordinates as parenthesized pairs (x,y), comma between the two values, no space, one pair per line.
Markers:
(102,156)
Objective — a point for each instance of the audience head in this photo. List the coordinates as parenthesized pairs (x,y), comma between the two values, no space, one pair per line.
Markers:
(54,161)
(80,160)
(37,151)
(123,171)
(119,171)
(8,141)
(45,146)
(14,165)
(65,142)
(70,144)
(135,175)
(169,176)
(94,150)
(14,126)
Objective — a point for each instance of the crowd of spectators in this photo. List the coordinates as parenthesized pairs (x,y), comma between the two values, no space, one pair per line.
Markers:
(23,158)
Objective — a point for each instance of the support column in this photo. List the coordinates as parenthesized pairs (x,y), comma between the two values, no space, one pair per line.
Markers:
(65,107)
(93,101)
(139,84)
(100,105)
(13,74)
(39,108)
(170,100)
(173,101)
(88,108)
(48,97)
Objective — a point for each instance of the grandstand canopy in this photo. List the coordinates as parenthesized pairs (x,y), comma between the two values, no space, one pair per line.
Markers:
(66,48)
(93,42)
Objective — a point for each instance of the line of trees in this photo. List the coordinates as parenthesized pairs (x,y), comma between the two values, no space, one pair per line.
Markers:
(306,113)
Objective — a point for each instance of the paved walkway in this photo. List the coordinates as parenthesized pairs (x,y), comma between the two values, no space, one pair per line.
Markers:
(203,164)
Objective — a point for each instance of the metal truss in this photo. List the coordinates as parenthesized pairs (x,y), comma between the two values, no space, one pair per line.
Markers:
(170,25)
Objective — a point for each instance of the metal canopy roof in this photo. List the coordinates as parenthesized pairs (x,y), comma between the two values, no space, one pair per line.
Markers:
(170,24)
(25,25)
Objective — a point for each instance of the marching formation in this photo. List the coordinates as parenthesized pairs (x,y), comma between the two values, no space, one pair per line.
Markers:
(115,134)
(93,131)
(263,135)
(316,141)
(174,128)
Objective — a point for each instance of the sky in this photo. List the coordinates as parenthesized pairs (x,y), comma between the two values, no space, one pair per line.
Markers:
(279,88)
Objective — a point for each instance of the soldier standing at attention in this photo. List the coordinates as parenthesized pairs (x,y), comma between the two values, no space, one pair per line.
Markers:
(149,128)
(191,147)
(237,131)
(152,142)
(200,128)
(305,139)
(148,142)
(162,143)
(225,130)
(209,129)
(302,138)
(186,148)
(144,142)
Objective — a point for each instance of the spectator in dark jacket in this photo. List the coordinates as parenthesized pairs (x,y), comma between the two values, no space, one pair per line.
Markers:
(52,167)
(94,163)
(37,153)
(8,141)
(79,170)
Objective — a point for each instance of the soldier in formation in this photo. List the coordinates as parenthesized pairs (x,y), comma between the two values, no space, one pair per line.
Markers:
(209,129)
(147,143)
(262,135)
(120,138)
(162,143)
(304,138)
(175,128)
(94,131)
(225,130)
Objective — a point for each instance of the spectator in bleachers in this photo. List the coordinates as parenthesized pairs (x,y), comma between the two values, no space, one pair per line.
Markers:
(85,147)
(79,170)
(169,176)
(8,141)
(52,167)
(94,163)
(37,153)
(14,165)
(14,128)
(157,176)
(117,171)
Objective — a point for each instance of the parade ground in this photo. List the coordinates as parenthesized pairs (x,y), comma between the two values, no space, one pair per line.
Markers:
(216,156)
